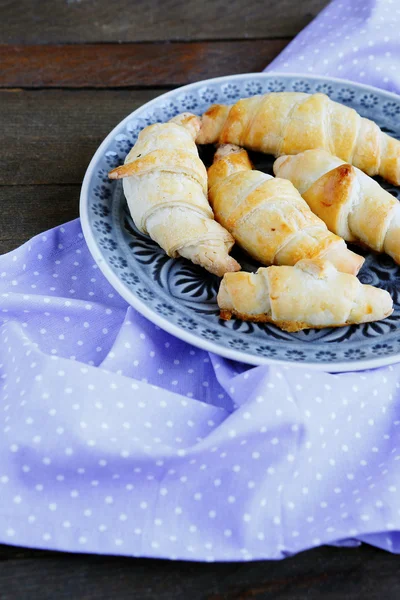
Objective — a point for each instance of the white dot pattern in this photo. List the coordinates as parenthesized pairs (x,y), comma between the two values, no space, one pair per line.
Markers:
(96,452)
(118,438)
(354,40)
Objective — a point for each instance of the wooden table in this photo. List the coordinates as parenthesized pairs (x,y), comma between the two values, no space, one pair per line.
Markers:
(70,70)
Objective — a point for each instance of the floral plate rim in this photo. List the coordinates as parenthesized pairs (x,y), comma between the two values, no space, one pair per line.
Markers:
(140,305)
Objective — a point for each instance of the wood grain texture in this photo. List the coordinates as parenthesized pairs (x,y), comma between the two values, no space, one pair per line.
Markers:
(131,65)
(49,136)
(329,573)
(55,21)
(30,209)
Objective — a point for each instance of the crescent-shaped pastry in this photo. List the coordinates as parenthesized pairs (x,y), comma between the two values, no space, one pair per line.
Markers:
(268,217)
(165,184)
(291,122)
(351,204)
(312,294)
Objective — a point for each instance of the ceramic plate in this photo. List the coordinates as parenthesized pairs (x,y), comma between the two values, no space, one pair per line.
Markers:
(180,297)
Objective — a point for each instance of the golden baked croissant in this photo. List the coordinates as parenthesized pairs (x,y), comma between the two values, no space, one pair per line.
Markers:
(268,217)
(291,122)
(352,204)
(165,184)
(312,294)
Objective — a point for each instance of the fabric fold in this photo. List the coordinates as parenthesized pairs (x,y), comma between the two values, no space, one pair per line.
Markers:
(118,438)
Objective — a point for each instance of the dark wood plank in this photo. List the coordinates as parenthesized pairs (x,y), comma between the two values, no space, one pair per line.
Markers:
(331,573)
(55,21)
(49,136)
(131,65)
(19,552)
(30,209)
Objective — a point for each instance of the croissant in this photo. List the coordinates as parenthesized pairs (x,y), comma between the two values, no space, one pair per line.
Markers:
(165,184)
(291,122)
(310,294)
(268,217)
(352,204)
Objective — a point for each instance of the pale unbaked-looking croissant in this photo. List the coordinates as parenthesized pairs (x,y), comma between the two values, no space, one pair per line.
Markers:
(165,184)
(312,294)
(352,204)
(268,217)
(291,122)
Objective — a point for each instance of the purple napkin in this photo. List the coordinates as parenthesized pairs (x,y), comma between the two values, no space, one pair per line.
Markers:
(118,438)
(357,40)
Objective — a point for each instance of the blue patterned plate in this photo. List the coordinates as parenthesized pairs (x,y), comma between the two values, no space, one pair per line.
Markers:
(180,297)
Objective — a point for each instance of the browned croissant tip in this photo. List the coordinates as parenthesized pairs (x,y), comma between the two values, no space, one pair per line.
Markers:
(115,173)
(212,122)
(227,149)
(334,186)
(191,122)
(225,315)
(228,265)
(341,179)
(214,110)
(344,171)
(123,170)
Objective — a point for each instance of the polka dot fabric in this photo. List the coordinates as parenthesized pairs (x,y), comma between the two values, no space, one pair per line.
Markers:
(357,40)
(118,438)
